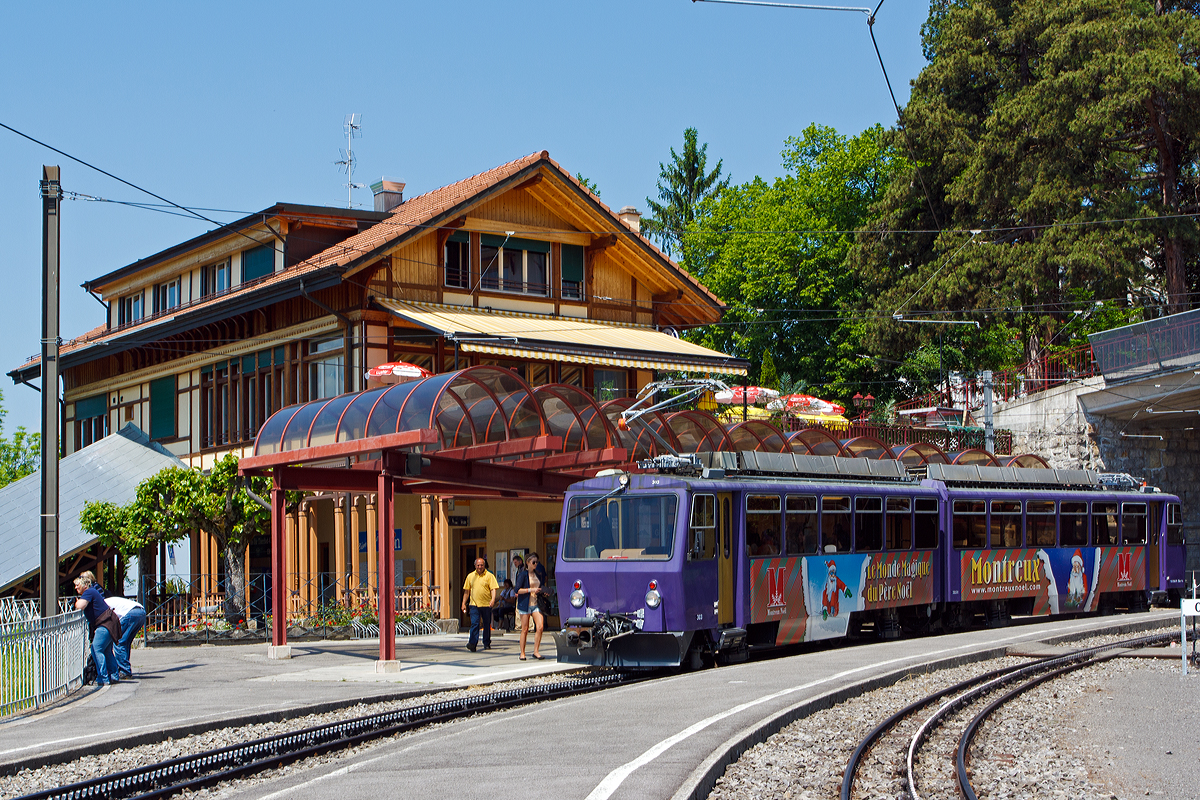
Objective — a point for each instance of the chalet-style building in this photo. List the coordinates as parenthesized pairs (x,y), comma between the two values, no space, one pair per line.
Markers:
(520,267)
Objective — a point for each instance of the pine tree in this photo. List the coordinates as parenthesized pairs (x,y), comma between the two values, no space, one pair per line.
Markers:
(683,184)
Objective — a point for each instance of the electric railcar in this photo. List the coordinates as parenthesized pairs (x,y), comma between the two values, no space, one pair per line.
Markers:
(695,561)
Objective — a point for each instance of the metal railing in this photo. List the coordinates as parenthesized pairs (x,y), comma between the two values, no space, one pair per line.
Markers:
(950,439)
(41,660)
(322,602)
(1159,345)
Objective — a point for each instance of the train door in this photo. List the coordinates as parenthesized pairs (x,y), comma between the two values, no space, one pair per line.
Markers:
(550,562)
(725,554)
(1173,549)
(1153,561)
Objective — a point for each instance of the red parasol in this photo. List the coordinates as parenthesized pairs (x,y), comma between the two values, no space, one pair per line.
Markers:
(754,394)
(399,369)
(805,404)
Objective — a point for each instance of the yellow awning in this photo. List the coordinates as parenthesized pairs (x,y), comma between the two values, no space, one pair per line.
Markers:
(512,334)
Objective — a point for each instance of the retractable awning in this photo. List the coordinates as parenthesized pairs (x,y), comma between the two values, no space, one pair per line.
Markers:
(513,334)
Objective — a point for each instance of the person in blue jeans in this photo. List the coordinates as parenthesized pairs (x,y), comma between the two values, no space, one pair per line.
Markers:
(133,619)
(105,627)
(480,589)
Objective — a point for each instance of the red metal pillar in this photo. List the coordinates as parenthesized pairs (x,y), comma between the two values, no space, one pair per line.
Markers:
(279,593)
(386,520)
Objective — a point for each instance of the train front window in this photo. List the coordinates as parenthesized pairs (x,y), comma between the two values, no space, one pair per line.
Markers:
(1072,524)
(835,524)
(1104,524)
(1174,523)
(970,524)
(762,524)
(925,523)
(639,527)
(702,533)
(1133,523)
(868,524)
(802,537)
(1039,523)
(899,523)
(1006,523)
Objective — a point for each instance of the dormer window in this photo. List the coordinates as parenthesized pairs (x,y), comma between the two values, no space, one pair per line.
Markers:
(214,278)
(166,295)
(130,309)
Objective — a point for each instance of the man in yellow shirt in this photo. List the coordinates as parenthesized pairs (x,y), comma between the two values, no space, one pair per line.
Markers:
(480,588)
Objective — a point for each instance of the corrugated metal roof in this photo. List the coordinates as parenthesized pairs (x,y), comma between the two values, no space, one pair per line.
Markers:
(109,469)
(565,338)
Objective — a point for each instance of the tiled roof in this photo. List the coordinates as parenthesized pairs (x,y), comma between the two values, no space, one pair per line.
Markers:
(109,469)
(411,214)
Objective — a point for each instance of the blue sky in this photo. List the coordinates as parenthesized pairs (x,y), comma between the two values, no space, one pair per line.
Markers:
(240,105)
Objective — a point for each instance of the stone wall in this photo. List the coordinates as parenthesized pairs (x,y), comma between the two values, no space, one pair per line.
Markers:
(1054,425)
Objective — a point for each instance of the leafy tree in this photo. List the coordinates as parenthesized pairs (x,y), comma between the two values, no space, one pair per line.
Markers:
(177,500)
(1036,124)
(589,185)
(774,252)
(683,185)
(767,376)
(19,456)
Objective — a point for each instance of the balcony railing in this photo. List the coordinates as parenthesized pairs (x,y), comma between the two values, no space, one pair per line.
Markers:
(1160,345)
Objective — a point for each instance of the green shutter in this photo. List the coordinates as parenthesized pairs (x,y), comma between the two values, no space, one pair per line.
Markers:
(247,364)
(162,408)
(258,262)
(460,236)
(278,356)
(206,369)
(527,244)
(572,262)
(91,407)
(490,240)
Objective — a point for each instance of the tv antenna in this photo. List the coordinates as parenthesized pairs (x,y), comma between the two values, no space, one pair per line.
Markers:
(353,128)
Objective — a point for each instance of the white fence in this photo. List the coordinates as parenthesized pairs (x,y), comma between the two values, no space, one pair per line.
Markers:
(41,660)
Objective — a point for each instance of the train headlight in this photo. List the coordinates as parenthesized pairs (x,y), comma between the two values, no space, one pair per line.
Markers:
(653,598)
(577,599)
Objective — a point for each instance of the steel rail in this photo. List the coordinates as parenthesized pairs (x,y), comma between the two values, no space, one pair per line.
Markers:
(973,694)
(208,768)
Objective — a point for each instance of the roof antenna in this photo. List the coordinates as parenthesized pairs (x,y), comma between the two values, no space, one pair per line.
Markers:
(352,126)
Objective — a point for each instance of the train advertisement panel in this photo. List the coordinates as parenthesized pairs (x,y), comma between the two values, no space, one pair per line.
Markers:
(1060,580)
(812,596)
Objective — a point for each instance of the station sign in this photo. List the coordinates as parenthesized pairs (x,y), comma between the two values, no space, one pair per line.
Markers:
(1190,608)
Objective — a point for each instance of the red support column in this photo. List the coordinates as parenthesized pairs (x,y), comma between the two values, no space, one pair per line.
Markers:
(386,520)
(279,594)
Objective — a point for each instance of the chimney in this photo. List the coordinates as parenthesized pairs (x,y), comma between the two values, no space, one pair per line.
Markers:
(631,217)
(389,193)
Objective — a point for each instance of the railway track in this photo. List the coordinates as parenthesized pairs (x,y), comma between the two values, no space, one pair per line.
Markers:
(212,767)
(986,693)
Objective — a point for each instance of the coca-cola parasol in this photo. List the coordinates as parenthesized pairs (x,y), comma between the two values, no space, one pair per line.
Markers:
(805,404)
(398,369)
(754,394)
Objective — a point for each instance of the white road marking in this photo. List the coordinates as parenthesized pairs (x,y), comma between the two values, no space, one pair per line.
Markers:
(614,779)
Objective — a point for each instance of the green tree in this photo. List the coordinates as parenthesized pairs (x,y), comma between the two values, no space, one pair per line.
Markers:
(683,185)
(775,252)
(767,376)
(19,456)
(1036,124)
(177,500)
(589,185)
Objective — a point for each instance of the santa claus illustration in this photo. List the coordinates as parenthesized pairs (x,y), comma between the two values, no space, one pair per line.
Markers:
(1077,583)
(833,588)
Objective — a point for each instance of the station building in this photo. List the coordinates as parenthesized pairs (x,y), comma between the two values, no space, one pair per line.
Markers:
(520,267)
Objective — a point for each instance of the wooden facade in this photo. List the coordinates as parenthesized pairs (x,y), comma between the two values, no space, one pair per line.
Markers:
(204,341)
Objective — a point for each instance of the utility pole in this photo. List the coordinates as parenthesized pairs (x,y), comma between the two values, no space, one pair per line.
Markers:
(989,433)
(51,204)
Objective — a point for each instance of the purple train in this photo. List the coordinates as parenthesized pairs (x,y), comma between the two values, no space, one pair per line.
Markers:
(705,557)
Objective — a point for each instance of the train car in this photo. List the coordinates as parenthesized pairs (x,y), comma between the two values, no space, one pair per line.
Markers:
(709,556)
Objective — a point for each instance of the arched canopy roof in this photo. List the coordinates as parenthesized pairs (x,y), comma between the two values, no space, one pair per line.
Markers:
(865,447)
(572,414)
(640,443)
(1028,460)
(755,434)
(477,405)
(814,441)
(699,431)
(919,453)
(977,456)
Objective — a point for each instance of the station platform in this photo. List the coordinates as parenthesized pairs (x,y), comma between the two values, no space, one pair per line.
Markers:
(177,691)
